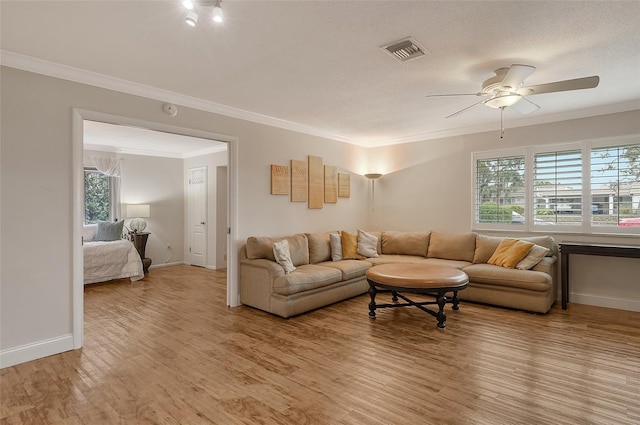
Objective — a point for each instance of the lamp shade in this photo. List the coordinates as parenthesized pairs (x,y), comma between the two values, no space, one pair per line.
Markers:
(138,211)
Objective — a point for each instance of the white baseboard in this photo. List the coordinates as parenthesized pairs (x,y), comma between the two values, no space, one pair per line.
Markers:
(600,301)
(157,266)
(35,350)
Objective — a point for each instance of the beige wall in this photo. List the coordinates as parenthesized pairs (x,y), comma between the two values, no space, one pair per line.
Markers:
(158,182)
(428,186)
(37,197)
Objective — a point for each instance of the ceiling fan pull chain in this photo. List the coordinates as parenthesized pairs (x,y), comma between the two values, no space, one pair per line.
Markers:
(502,122)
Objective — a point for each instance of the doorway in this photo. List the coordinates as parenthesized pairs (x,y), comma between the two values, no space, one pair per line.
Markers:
(79,116)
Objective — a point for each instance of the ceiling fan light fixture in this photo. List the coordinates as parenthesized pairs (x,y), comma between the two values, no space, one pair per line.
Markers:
(218,14)
(191,19)
(188,4)
(502,101)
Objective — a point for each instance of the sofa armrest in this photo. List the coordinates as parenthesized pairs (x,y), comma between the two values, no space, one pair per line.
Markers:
(256,282)
(545,265)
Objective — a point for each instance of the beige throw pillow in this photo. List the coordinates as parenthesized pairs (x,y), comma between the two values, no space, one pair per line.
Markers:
(535,255)
(367,245)
(336,247)
(282,255)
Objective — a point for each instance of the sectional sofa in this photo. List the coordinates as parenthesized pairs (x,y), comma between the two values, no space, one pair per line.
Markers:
(318,281)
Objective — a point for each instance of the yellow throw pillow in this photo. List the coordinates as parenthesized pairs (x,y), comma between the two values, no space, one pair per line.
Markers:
(350,246)
(510,252)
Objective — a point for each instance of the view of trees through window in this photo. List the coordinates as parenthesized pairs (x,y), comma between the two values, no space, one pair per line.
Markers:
(500,190)
(96,196)
(560,192)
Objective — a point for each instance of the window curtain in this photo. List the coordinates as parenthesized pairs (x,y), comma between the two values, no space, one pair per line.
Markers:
(110,167)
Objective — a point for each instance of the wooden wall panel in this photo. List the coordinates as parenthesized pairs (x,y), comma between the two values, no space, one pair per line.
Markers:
(344,185)
(316,182)
(279,179)
(330,184)
(299,181)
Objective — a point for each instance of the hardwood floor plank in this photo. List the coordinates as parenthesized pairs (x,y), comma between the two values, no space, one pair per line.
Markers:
(167,350)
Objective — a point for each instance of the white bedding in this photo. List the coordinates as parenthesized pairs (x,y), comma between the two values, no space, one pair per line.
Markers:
(111,260)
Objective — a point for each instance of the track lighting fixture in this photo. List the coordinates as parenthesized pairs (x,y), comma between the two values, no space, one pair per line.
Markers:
(192,18)
(217,15)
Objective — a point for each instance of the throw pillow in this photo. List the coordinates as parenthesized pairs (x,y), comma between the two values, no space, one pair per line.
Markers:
(108,231)
(350,246)
(336,247)
(510,252)
(535,255)
(283,257)
(367,245)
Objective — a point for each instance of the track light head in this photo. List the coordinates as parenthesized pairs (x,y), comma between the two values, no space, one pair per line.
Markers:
(218,14)
(188,4)
(192,18)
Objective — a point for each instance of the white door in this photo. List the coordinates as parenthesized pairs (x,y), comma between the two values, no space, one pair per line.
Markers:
(197,210)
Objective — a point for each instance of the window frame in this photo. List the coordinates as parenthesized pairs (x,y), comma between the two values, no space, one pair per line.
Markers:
(84,192)
(585,227)
(495,154)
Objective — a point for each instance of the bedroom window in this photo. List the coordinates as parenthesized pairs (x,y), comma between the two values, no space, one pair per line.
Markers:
(97,198)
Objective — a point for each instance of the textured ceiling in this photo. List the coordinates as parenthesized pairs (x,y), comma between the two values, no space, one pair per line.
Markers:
(318,64)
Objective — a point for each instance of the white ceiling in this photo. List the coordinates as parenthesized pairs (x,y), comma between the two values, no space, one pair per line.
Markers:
(101,136)
(317,66)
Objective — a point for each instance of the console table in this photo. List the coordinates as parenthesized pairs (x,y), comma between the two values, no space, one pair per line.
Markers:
(605,250)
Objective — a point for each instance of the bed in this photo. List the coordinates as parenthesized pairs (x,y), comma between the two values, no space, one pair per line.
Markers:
(108,260)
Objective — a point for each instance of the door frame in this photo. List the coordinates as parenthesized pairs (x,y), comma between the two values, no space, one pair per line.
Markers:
(77,155)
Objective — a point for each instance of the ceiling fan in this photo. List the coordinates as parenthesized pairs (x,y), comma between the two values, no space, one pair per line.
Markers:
(506,89)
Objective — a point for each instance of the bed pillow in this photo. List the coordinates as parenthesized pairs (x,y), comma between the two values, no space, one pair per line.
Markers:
(89,232)
(336,246)
(510,252)
(535,255)
(283,257)
(108,231)
(367,245)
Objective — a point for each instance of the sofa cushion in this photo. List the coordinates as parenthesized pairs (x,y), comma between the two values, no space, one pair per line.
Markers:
(367,244)
(458,264)
(305,278)
(510,252)
(386,259)
(500,276)
(485,247)
(350,246)
(405,243)
(452,246)
(262,247)
(319,247)
(545,241)
(349,268)
(282,255)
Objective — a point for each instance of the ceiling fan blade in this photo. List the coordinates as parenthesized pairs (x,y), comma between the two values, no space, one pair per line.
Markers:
(462,110)
(525,106)
(516,76)
(566,85)
(455,94)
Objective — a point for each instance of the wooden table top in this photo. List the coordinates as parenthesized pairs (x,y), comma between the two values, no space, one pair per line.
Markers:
(418,276)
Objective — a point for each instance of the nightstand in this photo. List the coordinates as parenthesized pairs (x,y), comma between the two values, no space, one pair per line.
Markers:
(140,242)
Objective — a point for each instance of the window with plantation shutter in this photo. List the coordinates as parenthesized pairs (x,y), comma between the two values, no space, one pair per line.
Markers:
(615,186)
(557,188)
(589,187)
(499,191)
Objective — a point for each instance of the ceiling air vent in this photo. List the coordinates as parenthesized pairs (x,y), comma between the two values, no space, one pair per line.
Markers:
(404,50)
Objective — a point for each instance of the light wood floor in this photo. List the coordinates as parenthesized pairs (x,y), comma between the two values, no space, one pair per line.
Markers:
(166,350)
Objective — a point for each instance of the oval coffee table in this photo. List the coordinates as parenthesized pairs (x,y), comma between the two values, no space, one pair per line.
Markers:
(418,279)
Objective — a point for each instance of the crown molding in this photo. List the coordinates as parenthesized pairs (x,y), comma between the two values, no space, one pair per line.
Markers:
(65,72)
(51,69)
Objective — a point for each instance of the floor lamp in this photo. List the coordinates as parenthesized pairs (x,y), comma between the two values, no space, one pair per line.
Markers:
(373,177)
